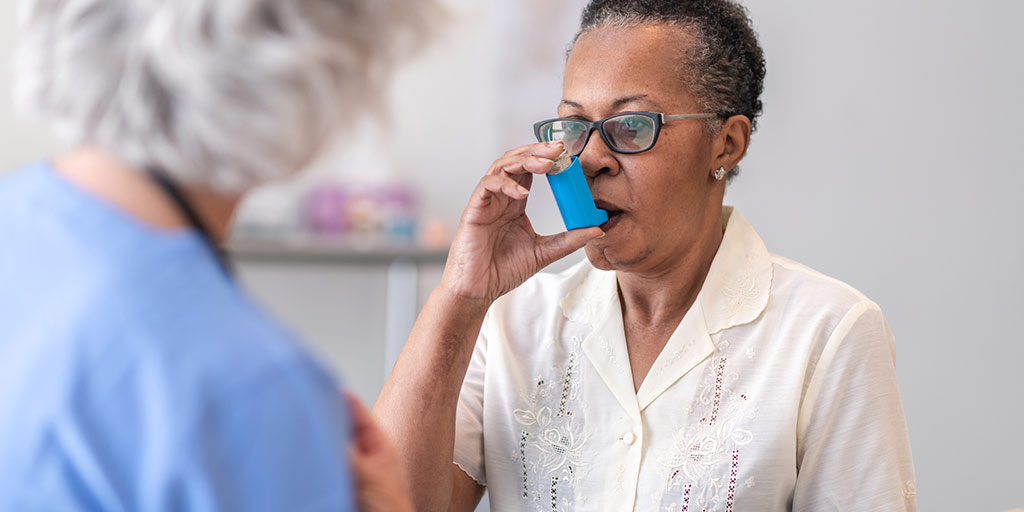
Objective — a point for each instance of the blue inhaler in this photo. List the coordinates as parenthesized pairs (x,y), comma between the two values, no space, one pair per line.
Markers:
(573,195)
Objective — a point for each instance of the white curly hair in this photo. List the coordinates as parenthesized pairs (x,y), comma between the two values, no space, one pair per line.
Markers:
(224,94)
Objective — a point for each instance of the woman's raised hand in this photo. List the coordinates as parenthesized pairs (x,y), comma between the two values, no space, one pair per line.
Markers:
(495,248)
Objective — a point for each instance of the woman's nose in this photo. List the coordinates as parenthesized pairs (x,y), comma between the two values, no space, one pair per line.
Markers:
(597,159)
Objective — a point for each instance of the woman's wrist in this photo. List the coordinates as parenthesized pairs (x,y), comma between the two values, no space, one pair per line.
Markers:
(460,301)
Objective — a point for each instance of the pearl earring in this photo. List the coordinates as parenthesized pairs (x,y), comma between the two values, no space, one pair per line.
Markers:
(720,173)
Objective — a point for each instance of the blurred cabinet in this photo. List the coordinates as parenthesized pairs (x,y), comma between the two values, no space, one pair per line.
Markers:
(352,307)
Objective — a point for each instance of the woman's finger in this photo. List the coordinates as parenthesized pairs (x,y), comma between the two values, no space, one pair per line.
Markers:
(545,149)
(524,165)
(535,159)
(555,247)
(491,186)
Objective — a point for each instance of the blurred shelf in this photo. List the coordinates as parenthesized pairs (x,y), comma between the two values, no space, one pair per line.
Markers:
(328,250)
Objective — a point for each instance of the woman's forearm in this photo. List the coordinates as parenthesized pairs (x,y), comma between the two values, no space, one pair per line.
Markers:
(418,403)
(494,250)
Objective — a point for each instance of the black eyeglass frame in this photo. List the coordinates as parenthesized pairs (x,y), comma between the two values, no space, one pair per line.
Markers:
(658,118)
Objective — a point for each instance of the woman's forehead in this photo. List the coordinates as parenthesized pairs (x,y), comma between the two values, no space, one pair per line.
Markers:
(612,67)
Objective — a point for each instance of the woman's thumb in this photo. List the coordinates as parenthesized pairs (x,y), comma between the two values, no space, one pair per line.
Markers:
(555,247)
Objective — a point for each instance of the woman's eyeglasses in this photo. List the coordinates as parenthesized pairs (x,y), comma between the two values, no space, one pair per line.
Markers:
(628,132)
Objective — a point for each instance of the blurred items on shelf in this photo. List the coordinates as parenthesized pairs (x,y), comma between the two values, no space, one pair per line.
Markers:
(359,215)
(351,197)
(370,215)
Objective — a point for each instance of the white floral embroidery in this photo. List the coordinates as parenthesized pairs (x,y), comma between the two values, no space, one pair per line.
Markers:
(561,446)
(552,446)
(704,449)
(909,490)
(743,290)
(612,358)
(675,359)
(587,303)
(562,449)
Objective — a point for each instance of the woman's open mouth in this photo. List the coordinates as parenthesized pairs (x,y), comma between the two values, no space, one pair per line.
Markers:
(614,214)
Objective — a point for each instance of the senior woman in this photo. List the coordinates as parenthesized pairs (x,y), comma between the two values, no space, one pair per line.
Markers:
(682,366)
(134,373)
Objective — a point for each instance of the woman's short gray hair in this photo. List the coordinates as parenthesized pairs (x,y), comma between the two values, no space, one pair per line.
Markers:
(219,93)
(724,67)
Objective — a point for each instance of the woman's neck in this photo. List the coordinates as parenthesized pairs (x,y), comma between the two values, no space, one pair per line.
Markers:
(134,193)
(663,296)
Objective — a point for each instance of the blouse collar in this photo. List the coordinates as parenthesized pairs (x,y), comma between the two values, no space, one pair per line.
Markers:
(734,293)
(739,282)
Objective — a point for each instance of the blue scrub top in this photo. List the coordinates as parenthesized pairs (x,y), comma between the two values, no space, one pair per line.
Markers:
(135,376)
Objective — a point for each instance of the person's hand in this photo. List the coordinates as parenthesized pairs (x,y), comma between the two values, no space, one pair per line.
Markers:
(380,484)
(495,248)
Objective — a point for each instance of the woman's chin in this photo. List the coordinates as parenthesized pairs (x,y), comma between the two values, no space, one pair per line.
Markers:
(600,264)
(604,257)
(596,255)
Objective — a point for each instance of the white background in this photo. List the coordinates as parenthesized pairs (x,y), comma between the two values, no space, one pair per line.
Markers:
(889,156)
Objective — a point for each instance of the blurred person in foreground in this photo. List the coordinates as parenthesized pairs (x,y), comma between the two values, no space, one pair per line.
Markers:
(682,366)
(135,375)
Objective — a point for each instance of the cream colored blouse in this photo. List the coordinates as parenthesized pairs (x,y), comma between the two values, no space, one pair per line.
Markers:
(776,392)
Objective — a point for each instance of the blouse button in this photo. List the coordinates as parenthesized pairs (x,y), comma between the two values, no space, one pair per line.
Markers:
(628,438)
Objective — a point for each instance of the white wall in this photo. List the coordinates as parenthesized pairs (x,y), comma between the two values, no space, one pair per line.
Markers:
(890,158)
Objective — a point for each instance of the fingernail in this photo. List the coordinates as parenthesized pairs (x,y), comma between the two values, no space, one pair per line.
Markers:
(545,160)
(523,190)
(556,143)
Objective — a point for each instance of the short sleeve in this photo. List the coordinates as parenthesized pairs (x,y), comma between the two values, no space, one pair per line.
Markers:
(853,446)
(278,442)
(469,416)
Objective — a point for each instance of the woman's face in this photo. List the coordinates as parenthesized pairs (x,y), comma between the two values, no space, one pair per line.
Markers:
(665,194)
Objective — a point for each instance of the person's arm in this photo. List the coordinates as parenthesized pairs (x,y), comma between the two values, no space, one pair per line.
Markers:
(495,249)
(853,447)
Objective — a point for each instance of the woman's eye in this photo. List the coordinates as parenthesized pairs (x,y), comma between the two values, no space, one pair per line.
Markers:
(635,124)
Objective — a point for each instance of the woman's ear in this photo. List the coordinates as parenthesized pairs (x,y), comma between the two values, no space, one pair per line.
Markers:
(731,143)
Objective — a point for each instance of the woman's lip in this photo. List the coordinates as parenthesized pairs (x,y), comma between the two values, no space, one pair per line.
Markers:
(612,221)
(605,205)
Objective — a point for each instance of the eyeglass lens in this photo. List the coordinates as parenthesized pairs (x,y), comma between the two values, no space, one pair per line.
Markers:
(629,133)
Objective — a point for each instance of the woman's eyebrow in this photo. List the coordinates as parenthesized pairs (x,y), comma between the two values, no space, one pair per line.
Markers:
(618,103)
(570,103)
